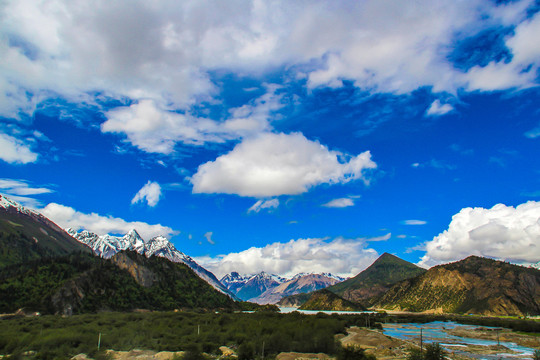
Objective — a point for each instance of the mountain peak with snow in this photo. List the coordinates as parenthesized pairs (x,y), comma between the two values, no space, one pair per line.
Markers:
(107,246)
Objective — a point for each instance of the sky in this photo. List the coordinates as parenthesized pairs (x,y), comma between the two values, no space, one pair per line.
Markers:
(284,136)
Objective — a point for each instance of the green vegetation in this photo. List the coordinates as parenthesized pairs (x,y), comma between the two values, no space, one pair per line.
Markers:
(327,300)
(81,283)
(376,279)
(474,285)
(432,352)
(353,353)
(24,238)
(63,337)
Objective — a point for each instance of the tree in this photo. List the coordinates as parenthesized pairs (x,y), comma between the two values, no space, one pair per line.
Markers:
(434,352)
(536,354)
(415,354)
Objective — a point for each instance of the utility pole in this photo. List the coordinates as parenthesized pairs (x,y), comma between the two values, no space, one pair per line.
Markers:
(421,342)
(99,342)
(198,329)
(263,351)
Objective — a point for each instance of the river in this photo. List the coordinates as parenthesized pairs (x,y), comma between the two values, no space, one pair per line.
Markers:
(435,332)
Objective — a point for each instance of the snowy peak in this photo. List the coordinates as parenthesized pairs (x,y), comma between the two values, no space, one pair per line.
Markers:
(107,246)
(252,287)
(135,241)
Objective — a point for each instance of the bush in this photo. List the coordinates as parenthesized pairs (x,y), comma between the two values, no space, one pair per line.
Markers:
(353,353)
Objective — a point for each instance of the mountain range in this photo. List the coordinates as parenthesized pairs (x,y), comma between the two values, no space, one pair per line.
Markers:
(264,288)
(107,246)
(473,285)
(48,269)
(376,279)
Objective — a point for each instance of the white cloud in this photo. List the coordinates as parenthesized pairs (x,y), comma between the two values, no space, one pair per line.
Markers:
(533,133)
(437,109)
(378,238)
(264,204)
(339,203)
(208,237)
(345,257)
(21,187)
(15,151)
(165,51)
(414,222)
(278,164)
(66,216)
(153,128)
(150,192)
(502,232)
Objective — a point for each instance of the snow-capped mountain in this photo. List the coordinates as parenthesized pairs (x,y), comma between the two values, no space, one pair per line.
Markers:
(252,287)
(107,245)
(302,283)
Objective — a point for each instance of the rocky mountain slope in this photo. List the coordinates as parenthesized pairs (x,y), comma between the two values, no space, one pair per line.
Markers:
(25,235)
(473,285)
(107,246)
(81,283)
(376,279)
(302,283)
(326,300)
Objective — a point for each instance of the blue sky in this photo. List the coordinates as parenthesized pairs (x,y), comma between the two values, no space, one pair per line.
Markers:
(279,136)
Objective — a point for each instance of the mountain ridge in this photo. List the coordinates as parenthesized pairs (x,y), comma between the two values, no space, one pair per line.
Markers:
(107,246)
(376,279)
(473,285)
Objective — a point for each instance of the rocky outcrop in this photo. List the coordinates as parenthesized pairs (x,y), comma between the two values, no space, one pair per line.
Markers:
(142,275)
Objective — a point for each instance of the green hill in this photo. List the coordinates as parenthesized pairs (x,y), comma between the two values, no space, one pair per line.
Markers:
(473,285)
(82,283)
(327,300)
(26,235)
(376,279)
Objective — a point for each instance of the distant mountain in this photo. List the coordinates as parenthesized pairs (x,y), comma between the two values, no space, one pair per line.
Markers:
(251,286)
(473,285)
(107,246)
(376,279)
(297,285)
(25,235)
(326,300)
(82,283)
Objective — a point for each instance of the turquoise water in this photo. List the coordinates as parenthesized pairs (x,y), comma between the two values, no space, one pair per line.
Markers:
(286,310)
(434,332)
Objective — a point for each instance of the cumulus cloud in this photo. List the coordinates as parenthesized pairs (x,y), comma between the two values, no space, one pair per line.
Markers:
(345,257)
(414,222)
(339,203)
(279,164)
(16,151)
(74,48)
(150,192)
(437,109)
(502,232)
(264,204)
(66,216)
(153,128)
